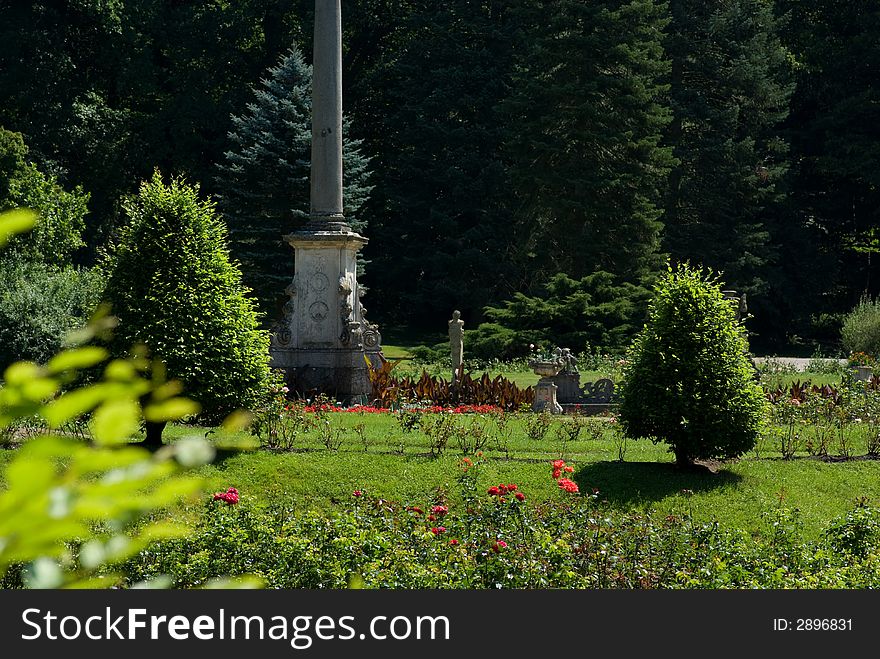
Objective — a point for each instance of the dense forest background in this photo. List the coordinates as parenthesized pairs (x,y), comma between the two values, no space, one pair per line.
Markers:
(533,163)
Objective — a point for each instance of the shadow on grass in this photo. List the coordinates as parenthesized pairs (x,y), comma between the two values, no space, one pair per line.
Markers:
(628,483)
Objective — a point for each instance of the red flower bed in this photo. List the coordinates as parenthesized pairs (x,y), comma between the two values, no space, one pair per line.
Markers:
(433,409)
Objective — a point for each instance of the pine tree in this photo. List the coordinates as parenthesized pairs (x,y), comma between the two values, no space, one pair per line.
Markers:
(264,179)
(593,313)
(731,83)
(586,120)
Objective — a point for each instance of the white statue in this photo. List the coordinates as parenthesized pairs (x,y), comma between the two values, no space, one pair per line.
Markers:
(456,344)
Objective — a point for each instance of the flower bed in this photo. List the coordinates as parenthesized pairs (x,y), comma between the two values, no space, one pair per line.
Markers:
(431,409)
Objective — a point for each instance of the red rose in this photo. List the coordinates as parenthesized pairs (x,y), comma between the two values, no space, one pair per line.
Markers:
(568,486)
(520,496)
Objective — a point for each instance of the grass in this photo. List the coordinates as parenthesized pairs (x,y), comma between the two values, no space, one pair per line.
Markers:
(398,466)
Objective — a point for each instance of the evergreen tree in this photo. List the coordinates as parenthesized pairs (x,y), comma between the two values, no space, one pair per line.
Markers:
(586,121)
(593,313)
(264,179)
(731,82)
(835,136)
(173,288)
(439,216)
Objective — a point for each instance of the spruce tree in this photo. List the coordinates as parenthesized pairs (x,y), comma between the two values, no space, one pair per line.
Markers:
(440,213)
(264,180)
(731,83)
(172,286)
(593,313)
(586,120)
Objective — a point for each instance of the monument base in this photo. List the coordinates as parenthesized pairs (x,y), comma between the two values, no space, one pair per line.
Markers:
(545,397)
(340,374)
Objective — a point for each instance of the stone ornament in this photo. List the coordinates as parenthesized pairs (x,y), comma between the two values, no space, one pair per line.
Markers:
(456,343)
(318,311)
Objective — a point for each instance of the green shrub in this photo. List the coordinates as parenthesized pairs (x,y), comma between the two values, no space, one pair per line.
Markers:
(69,508)
(58,233)
(861,328)
(596,311)
(688,380)
(491,542)
(857,532)
(39,304)
(173,287)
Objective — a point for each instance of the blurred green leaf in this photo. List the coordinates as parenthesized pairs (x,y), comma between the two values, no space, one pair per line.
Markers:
(193,451)
(76,359)
(14,222)
(43,573)
(238,421)
(171,409)
(115,421)
(73,404)
(21,373)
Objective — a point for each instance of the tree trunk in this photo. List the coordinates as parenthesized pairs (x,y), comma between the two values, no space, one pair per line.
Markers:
(682,459)
(153,438)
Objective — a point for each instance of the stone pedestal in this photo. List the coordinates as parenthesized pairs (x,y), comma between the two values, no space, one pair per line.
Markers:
(862,373)
(324,337)
(569,387)
(545,397)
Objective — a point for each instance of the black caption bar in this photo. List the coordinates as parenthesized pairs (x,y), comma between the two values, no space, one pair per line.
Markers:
(429,623)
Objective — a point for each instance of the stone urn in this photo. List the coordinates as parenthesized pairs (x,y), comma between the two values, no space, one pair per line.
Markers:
(546,368)
(862,373)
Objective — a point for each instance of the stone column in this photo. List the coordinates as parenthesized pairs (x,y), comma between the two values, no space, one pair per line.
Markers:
(324,342)
(326,180)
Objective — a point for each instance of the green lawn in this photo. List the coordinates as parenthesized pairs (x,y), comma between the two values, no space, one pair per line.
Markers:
(398,466)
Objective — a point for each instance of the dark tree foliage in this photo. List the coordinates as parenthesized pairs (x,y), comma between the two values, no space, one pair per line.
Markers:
(173,288)
(509,140)
(440,225)
(593,313)
(104,90)
(587,115)
(263,181)
(688,380)
(731,83)
(835,136)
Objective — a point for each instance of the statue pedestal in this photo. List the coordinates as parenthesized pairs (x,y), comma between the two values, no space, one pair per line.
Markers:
(323,342)
(569,385)
(545,397)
